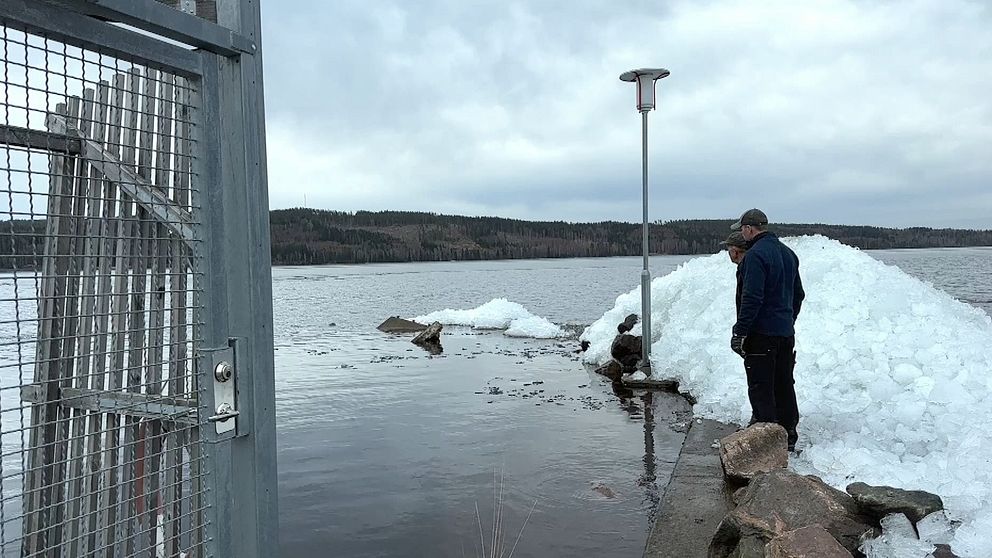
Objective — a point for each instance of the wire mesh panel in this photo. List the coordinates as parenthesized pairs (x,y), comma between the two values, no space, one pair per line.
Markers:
(99,305)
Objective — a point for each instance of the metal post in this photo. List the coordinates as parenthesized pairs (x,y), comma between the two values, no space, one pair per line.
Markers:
(645,250)
(645,78)
(238,272)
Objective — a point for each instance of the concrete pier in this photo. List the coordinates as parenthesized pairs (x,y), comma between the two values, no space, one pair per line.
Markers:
(696,499)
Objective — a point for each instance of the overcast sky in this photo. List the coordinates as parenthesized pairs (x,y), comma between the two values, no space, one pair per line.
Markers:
(815,111)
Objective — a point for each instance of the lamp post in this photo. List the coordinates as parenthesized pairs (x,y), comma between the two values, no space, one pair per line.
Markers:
(645,78)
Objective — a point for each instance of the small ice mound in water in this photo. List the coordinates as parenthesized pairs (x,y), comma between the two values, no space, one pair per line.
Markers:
(498,313)
(893,375)
(534,326)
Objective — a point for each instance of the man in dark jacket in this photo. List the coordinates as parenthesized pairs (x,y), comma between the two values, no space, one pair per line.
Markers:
(771,298)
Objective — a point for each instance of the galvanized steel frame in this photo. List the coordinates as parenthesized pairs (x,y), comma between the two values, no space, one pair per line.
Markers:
(236,295)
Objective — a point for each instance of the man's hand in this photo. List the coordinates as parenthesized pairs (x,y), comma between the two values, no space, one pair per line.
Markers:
(737,344)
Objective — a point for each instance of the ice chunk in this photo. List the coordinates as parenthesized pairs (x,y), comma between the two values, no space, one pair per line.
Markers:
(636,376)
(898,525)
(905,373)
(898,540)
(935,528)
(949,392)
(894,546)
(883,389)
(973,538)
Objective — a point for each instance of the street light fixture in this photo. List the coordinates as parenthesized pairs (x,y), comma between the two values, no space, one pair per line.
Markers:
(645,79)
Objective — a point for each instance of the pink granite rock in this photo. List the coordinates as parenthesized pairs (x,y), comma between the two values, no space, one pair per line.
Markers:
(759,448)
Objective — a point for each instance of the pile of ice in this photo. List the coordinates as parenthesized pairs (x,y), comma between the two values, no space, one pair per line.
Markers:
(498,313)
(894,377)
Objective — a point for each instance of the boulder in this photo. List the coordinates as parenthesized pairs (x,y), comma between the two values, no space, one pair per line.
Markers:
(758,449)
(628,323)
(396,324)
(626,349)
(611,370)
(943,551)
(781,501)
(880,501)
(430,336)
(812,541)
(750,546)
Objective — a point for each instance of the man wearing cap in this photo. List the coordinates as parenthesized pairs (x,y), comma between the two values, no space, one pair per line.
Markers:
(771,297)
(736,248)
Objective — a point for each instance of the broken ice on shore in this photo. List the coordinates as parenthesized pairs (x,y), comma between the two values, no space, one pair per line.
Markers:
(894,377)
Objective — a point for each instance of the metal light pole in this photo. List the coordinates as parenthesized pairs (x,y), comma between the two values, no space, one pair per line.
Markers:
(645,78)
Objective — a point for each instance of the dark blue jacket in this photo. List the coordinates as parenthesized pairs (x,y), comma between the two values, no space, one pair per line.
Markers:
(772,293)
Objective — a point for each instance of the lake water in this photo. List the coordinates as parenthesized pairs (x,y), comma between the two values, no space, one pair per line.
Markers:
(386,450)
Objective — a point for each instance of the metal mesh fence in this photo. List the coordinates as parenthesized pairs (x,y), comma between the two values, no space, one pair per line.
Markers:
(99,306)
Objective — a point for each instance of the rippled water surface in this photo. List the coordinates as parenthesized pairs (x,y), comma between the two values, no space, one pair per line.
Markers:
(385,450)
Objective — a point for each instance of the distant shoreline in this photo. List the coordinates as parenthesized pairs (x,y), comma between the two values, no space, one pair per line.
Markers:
(988,247)
(317,237)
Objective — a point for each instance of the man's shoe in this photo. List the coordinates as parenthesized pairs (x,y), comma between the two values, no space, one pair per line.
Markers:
(793,437)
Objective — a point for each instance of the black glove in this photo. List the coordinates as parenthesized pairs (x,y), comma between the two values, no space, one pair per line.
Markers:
(737,344)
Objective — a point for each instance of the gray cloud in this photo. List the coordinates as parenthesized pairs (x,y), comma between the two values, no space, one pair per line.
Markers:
(834,111)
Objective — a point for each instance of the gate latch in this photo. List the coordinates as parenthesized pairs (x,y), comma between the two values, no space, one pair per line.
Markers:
(224,410)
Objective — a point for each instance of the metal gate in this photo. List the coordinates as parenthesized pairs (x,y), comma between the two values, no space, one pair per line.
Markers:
(136,374)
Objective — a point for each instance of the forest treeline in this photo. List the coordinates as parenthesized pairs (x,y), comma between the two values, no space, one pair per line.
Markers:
(313,236)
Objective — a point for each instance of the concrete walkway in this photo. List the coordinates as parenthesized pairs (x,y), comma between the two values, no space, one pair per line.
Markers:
(696,499)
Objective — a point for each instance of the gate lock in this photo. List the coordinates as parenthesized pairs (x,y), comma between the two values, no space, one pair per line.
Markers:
(223,373)
(223,410)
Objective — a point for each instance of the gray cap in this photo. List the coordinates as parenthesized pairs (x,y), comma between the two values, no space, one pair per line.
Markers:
(750,217)
(735,239)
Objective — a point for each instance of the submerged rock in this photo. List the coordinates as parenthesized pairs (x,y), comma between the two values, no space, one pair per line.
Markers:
(397,324)
(880,501)
(430,336)
(611,370)
(781,501)
(758,449)
(806,542)
(604,491)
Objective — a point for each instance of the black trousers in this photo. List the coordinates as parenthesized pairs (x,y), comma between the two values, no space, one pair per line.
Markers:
(770,363)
